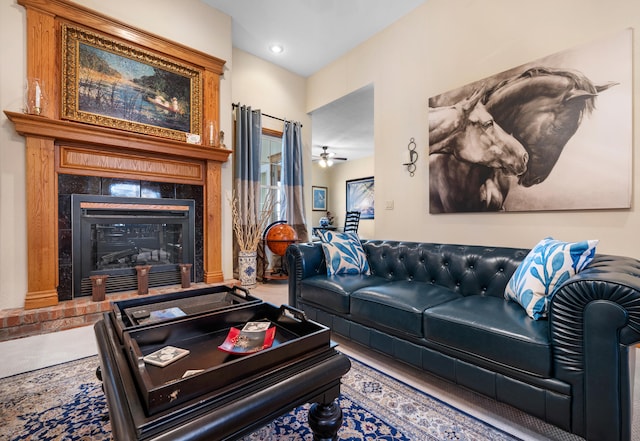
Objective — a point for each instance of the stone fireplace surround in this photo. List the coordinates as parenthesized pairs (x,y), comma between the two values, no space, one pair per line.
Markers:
(55,147)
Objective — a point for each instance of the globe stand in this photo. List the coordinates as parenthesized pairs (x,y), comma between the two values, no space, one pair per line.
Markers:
(277,237)
(274,274)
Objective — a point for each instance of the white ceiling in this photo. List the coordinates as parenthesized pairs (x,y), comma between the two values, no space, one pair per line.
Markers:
(345,125)
(314,33)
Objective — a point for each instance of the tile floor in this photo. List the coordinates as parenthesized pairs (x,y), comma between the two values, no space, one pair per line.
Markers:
(40,351)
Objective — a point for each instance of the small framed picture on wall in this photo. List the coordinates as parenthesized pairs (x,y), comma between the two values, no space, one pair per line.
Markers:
(319,198)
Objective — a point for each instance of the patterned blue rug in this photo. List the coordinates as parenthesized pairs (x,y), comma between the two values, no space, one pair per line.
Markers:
(66,402)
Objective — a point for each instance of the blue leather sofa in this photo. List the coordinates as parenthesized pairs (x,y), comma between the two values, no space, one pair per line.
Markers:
(441,308)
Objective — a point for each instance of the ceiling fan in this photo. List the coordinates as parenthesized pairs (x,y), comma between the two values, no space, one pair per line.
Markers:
(326,158)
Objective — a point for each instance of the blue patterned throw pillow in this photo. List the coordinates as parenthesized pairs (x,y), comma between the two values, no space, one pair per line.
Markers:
(549,264)
(343,253)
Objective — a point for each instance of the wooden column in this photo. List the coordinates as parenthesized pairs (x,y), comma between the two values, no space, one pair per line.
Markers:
(212,253)
(210,109)
(213,223)
(42,224)
(41,58)
(42,186)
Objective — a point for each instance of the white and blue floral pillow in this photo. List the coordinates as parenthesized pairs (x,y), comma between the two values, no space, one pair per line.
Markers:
(343,253)
(549,264)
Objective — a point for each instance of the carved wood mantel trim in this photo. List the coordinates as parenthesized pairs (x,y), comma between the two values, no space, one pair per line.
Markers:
(54,146)
(112,139)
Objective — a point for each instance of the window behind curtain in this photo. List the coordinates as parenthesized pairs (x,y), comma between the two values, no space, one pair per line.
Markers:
(271,169)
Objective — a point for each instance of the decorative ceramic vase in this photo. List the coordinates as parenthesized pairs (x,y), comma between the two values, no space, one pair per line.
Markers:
(324,221)
(247,268)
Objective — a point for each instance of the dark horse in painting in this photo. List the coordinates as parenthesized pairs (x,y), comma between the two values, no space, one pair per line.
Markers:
(542,108)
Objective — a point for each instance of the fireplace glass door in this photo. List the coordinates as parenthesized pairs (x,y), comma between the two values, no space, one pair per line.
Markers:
(113,235)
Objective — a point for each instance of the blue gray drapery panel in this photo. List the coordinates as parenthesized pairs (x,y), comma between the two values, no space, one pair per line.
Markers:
(246,159)
(293,179)
(246,170)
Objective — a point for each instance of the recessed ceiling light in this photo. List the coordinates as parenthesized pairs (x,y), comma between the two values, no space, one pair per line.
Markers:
(276,48)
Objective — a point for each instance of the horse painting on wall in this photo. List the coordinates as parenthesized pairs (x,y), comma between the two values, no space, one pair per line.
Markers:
(553,134)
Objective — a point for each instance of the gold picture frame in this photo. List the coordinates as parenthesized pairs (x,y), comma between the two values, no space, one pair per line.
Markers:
(110,83)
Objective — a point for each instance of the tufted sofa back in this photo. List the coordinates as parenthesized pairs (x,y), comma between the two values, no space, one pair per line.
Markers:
(469,270)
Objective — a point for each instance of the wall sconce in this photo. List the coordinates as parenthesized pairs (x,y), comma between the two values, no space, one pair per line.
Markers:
(413,157)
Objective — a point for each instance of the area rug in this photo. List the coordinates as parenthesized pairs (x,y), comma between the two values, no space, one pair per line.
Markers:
(66,402)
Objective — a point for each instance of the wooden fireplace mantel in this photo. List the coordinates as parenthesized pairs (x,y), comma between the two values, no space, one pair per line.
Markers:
(55,146)
(113,139)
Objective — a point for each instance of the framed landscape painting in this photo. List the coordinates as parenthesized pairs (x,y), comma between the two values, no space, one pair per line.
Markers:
(360,197)
(113,84)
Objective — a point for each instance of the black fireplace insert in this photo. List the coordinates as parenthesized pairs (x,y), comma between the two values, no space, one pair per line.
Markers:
(113,235)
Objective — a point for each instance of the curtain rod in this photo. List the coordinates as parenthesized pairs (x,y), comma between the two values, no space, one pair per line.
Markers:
(233,105)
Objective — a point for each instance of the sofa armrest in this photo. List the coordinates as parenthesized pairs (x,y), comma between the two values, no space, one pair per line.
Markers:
(303,260)
(594,321)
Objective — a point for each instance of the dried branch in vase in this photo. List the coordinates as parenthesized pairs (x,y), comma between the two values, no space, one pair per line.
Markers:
(248,226)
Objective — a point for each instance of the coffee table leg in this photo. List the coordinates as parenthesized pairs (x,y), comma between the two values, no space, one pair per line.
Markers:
(325,420)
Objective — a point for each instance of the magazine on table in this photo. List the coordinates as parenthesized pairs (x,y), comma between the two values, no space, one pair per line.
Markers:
(144,317)
(252,337)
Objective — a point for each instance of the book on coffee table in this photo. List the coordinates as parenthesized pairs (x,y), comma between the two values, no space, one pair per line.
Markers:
(252,337)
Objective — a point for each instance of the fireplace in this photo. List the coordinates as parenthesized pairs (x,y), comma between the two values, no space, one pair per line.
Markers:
(55,146)
(112,235)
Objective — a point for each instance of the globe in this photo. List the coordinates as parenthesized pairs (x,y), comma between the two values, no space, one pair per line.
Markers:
(279,237)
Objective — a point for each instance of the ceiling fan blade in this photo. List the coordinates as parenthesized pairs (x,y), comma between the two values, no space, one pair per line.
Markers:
(327,155)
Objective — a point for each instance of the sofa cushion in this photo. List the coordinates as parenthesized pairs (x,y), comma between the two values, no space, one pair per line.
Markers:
(343,253)
(492,329)
(398,305)
(332,292)
(549,264)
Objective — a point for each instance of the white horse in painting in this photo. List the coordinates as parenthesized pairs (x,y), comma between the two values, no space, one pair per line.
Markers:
(467,131)
(462,137)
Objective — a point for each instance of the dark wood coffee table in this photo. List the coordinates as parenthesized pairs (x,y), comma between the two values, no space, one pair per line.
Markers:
(234,395)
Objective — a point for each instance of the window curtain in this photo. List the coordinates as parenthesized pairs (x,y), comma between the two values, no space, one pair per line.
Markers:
(246,168)
(292,208)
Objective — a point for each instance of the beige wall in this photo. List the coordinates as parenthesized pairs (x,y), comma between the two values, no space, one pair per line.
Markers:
(13,252)
(335,179)
(189,22)
(445,44)
(272,89)
(276,92)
